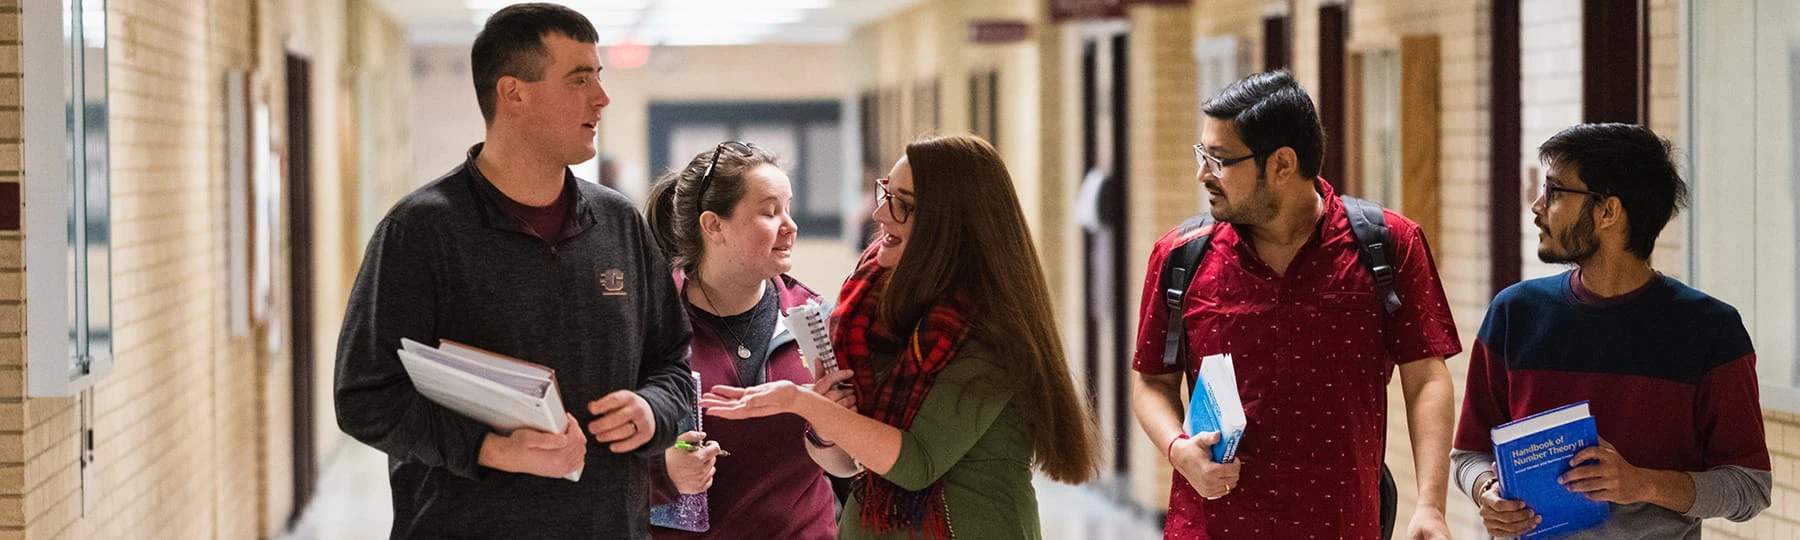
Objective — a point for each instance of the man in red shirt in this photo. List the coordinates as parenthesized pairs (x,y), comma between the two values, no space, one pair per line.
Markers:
(1282,290)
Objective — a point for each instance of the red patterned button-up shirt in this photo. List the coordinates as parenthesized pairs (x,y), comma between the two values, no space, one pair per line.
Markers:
(1314,352)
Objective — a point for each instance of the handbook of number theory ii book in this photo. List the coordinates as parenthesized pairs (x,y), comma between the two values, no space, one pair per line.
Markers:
(1533,452)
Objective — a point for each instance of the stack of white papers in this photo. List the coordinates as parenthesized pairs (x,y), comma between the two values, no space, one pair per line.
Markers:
(503,392)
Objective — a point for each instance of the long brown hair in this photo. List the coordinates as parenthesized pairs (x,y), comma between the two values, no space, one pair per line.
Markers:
(969,234)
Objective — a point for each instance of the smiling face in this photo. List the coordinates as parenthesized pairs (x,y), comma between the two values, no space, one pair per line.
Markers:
(758,238)
(894,215)
(562,108)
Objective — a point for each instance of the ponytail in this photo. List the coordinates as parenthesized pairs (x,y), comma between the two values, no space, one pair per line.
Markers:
(659,211)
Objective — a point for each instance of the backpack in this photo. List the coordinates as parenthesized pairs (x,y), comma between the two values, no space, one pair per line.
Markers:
(1374,244)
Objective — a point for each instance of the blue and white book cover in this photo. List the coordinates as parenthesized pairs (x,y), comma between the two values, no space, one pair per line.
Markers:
(1533,452)
(1215,406)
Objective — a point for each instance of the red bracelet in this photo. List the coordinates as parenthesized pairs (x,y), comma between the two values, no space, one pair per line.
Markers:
(1169,452)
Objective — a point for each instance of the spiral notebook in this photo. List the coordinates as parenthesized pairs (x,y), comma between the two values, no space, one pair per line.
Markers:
(807,322)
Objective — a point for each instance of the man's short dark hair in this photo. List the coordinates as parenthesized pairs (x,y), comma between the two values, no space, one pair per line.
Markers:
(1625,161)
(1270,111)
(511,44)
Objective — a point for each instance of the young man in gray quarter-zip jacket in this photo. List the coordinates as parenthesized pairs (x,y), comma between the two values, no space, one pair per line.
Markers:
(511,253)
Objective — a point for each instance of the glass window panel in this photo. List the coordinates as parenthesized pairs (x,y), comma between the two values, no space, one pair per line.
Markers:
(824,166)
(687,140)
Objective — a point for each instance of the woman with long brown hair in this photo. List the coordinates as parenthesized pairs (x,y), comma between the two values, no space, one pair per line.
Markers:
(959,372)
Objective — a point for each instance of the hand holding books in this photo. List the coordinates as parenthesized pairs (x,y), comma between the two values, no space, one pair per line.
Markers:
(1534,458)
(1206,452)
(529,451)
(1192,457)
(519,400)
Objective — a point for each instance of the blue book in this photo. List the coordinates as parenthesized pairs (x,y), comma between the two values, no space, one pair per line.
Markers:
(1533,452)
(1216,407)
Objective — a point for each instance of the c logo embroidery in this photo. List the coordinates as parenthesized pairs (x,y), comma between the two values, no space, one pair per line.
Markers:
(612,282)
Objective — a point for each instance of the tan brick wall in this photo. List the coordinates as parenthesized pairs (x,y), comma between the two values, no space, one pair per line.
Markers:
(237,480)
(1163,112)
(12,378)
(1550,92)
(1461,251)
(927,46)
(182,423)
(1231,18)
(1666,107)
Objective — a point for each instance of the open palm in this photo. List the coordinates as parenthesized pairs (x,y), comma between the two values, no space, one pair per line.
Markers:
(754,402)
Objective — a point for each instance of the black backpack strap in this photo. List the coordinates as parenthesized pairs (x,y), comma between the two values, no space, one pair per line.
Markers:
(1375,243)
(1195,236)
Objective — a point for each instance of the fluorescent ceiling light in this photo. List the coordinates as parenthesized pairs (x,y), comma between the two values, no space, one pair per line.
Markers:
(695,17)
(745,5)
(578,5)
(601,19)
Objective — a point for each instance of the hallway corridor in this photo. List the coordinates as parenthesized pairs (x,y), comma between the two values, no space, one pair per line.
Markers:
(352,501)
(352,504)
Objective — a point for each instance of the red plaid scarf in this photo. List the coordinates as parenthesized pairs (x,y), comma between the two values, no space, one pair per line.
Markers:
(895,395)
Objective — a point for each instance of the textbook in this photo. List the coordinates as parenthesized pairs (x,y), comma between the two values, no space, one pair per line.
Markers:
(807,322)
(503,392)
(1215,406)
(1532,452)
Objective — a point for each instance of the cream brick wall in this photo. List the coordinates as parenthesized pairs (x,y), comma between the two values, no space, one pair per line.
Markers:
(1550,91)
(1666,107)
(1461,251)
(185,447)
(12,295)
(1163,112)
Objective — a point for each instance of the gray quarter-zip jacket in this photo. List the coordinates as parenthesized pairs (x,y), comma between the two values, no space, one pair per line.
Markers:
(596,305)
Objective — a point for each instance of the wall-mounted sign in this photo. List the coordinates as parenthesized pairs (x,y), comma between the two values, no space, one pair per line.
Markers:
(1073,10)
(996,31)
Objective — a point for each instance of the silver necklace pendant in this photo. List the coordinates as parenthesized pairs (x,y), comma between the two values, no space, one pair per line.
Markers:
(743,352)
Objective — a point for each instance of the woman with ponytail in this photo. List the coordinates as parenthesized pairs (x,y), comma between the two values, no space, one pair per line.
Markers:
(723,221)
(960,377)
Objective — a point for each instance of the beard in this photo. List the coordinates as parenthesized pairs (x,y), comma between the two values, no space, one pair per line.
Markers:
(1577,242)
(1256,207)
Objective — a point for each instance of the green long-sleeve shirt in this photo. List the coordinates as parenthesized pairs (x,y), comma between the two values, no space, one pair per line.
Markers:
(971,433)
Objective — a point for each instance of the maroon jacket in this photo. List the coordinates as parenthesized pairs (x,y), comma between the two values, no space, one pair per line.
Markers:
(768,487)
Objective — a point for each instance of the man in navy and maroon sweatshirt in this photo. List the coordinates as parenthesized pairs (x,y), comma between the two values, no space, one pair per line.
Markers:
(1669,372)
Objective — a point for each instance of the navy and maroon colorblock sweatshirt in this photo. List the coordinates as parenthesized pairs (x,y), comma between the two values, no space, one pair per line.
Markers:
(1670,376)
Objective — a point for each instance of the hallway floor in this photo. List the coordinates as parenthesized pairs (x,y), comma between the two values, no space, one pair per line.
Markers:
(352,504)
(352,501)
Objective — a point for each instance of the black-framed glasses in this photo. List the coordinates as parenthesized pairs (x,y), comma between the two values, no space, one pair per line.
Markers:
(741,149)
(1551,189)
(897,209)
(1213,165)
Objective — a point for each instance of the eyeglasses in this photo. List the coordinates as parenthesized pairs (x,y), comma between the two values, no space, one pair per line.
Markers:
(1551,189)
(1215,166)
(740,149)
(897,209)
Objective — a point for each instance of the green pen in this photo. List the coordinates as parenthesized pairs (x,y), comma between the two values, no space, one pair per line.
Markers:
(699,418)
(690,447)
